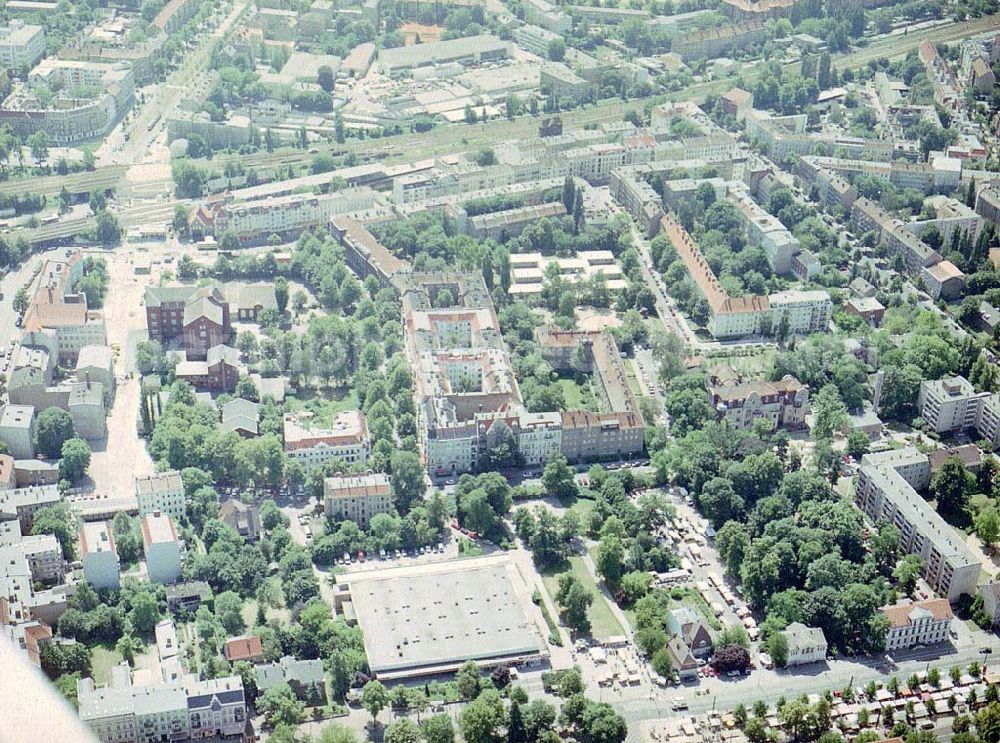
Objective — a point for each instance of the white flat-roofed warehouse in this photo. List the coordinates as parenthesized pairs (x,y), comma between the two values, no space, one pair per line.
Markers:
(431,620)
(468,50)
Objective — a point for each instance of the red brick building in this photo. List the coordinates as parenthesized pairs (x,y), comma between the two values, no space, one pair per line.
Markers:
(190,320)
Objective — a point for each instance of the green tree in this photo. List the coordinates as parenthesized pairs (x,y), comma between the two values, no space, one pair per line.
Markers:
(38,143)
(402,731)
(374,698)
(438,729)
(468,680)
(575,600)
(407,481)
(987,524)
(951,486)
(907,572)
(280,707)
(858,444)
(483,720)
(58,520)
(109,229)
(777,648)
(325,78)
(128,544)
(144,612)
(281,293)
(75,460)
(610,559)
(53,428)
(557,478)
(829,412)
(229,610)
(557,50)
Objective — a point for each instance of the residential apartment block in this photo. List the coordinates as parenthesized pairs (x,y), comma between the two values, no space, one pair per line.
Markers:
(357,497)
(917,623)
(279,215)
(162,491)
(467,397)
(529,271)
(346,439)
(952,405)
(784,403)
(365,255)
(885,492)
(101,568)
(734,317)
(69,117)
(125,711)
(21,45)
(162,547)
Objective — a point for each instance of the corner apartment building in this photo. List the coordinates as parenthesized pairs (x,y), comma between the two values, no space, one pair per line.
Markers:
(24,503)
(716,42)
(70,117)
(58,317)
(467,397)
(734,317)
(346,439)
(289,215)
(952,405)
(357,498)
(884,491)
(511,222)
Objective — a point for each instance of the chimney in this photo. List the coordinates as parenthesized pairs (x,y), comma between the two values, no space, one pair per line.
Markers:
(87,378)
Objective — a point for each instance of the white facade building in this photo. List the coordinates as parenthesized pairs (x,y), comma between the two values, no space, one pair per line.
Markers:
(805,644)
(886,496)
(101,568)
(952,405)
(162,547)
(918,623)
(21,45)
(162,491)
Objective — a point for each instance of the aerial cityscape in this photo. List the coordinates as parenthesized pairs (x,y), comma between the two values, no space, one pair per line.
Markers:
(500,371)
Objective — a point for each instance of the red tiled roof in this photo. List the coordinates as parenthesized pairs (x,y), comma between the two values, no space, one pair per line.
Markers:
(899,614)
(243,648)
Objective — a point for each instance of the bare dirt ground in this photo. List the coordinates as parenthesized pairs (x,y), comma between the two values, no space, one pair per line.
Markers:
(115,464)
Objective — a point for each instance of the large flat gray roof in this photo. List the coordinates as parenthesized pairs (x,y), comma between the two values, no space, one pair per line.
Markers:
(436,620)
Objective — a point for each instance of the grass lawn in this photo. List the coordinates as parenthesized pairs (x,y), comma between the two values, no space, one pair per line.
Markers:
(102,660)
(633,381)
(323,407)
(603,623)
(577,396)
(582,507)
